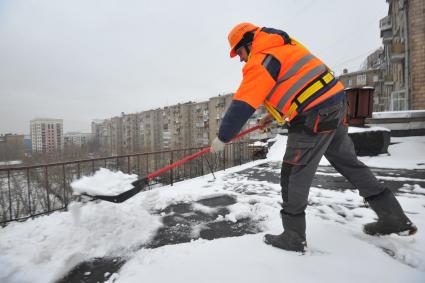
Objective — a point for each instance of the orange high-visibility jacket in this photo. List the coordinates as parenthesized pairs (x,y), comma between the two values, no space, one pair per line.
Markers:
(298,70)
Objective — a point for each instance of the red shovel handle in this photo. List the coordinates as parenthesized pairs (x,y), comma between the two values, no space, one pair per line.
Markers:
(199,153)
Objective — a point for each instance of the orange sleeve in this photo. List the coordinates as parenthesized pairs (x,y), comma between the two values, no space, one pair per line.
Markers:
(256,84)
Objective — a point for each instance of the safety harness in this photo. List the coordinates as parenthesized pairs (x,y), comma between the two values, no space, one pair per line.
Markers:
(304,97)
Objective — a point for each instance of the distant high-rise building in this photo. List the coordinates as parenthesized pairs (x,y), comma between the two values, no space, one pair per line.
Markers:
(200,124)
(46,135)
(180,126)
(130,133)
(151,126)
(217,108)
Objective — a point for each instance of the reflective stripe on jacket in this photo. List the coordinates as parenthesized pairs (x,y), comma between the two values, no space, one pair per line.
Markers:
(297,70)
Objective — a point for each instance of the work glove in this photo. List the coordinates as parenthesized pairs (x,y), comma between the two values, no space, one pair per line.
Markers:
(265,123)
(217,145)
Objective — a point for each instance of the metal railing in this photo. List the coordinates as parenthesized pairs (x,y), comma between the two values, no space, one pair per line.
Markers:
(29,191)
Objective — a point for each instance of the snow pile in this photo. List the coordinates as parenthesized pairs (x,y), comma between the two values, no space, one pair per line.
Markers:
(259,143)
(277,150)
(44,249)
(104,182)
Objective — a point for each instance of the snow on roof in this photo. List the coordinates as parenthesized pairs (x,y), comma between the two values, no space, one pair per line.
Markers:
(44,249)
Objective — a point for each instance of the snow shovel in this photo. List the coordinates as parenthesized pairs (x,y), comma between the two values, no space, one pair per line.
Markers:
(140,184)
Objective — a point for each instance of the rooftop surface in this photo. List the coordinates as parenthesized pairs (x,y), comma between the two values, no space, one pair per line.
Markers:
(210,230)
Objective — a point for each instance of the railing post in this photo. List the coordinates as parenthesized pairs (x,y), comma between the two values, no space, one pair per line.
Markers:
(78,170)
(46,175)
(128,164)
(224,157)
(171,171)
(138,165)
(147,163)
(10,195)
(65,199)
(190,166)
(29,191)
(202,165)
(240,153)
(92,166)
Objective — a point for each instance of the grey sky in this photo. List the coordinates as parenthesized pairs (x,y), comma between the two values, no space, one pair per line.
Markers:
(80,60)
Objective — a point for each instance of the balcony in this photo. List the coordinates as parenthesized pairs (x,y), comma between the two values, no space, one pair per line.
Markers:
(397,52)
(385,23)
(387,36)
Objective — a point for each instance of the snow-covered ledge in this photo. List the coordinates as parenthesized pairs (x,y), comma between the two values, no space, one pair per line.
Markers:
(352,129)
(399,114)
(401,123)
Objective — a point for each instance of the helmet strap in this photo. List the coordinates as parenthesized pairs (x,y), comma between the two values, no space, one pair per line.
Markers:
(247,49)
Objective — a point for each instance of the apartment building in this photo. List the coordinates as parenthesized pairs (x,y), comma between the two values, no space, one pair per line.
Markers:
(115,127)
(130,133)
(150,129)
(46,135)
(184,125)
(101,132)
(180,125)
(77,138)
(217,106)
(403,36)
(200,124)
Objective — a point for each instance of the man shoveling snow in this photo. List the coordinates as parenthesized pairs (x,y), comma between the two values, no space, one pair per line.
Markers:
(298,89)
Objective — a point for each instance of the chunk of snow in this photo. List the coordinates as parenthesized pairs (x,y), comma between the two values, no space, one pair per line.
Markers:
(104,182)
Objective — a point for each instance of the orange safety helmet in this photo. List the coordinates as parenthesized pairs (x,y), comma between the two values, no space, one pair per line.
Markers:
(236,35)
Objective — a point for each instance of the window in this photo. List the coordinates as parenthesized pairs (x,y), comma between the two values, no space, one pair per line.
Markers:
(361,79)
(398,100)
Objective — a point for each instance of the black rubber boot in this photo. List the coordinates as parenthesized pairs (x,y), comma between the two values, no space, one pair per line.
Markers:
(391,218)
(293,236)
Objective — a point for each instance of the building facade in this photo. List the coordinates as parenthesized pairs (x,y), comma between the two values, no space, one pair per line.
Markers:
(130,132)
(217,108)
(46,135)
(150,130)
(77,138)
(200,124)
(403,36)
(184,125)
